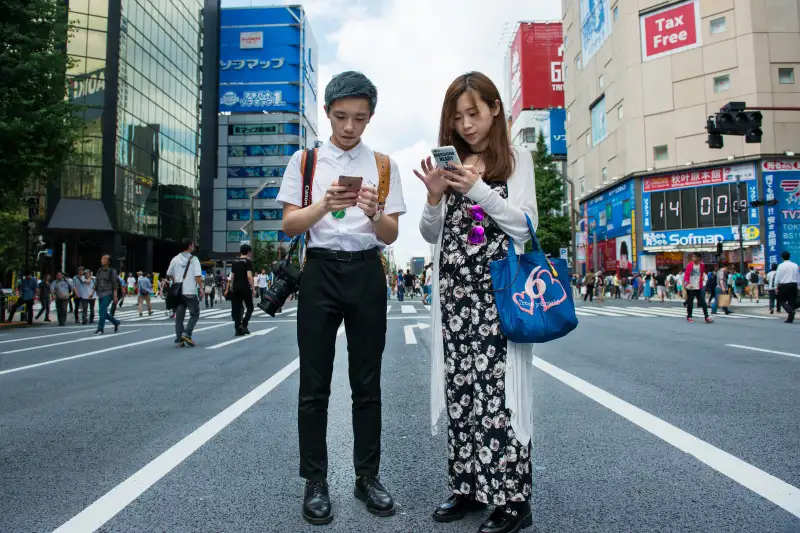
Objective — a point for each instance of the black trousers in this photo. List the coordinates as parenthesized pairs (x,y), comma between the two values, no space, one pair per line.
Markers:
(61,311)
(787,298)
(589,293)
(333,291)
(691,296)
(237,301)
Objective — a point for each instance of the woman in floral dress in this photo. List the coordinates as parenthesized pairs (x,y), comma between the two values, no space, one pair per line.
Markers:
(479,377)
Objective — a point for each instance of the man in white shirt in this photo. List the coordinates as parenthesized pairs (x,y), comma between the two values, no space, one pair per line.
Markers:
(192,279)
(787,278)
(261,282)
(343,279)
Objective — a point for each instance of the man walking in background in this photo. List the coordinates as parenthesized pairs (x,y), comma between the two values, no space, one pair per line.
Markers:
(61,292)
(45,291)
(145,287)
(693,281)
(106,287)
(78,291)
(185,269)
(27,293)
(787,278)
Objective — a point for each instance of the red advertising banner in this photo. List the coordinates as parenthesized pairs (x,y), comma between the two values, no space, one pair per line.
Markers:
(709,176)
(781,165)
(537,56)
(670,30)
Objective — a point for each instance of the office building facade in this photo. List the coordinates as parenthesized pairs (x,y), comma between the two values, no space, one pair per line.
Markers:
(133,192)
(641,79)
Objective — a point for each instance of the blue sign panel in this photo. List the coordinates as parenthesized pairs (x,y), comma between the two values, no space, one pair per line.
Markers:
(782,183)
(558,132)
(260,60)
(700,207)
(610,214)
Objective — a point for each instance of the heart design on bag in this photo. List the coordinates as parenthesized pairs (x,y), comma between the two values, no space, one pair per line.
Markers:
(548,295)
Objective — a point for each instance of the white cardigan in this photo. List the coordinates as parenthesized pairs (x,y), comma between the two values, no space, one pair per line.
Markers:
(510,216)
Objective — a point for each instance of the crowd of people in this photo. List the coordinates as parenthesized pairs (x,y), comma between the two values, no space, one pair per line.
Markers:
(404,285)
(717,286)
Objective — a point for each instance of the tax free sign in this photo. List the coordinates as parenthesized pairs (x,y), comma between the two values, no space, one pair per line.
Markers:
(670,30)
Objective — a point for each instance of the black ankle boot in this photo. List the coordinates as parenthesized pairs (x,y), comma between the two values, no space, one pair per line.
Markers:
(369,490)
(317,508)
(456,507)
(509,518)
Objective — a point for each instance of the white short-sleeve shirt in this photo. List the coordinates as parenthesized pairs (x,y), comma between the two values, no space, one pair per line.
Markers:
(178,266)
(354,232)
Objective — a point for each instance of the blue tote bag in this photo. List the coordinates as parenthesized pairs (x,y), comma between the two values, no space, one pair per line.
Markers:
(532,294)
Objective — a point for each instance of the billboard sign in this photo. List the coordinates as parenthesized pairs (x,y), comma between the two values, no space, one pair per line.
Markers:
(700,207)
(610,214)
(558,132)
(260,68)
(595,27)
(536,67)
(670,30)
(782,183)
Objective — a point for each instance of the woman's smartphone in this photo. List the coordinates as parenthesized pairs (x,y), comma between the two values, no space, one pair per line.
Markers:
(445,156)
(352,183)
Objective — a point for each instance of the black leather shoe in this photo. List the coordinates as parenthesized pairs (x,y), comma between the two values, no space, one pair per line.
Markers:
(456,507)
(317,508)
(369,490)
(245,330)
(509,518)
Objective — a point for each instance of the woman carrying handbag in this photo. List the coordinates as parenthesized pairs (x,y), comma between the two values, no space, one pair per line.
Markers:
(483,380)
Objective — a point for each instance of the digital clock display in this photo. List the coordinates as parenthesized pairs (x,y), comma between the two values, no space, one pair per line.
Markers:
(699,207)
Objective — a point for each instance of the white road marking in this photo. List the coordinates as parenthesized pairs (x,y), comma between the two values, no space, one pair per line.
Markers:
(409,331)
(104,350)
(293,312)
(92,338)
(21,339)
(765,485)
(388,308)
(762,350)
(408,309)
(239,339)
(110,504)
(427,307)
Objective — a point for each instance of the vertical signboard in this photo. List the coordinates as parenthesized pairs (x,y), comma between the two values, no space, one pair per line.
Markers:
(595,27)
(670,30)
(259,67)
(610,219)
(558,132)
(782,183)
(536,67)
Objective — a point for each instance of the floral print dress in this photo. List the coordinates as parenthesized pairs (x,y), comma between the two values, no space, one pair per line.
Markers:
(486,461)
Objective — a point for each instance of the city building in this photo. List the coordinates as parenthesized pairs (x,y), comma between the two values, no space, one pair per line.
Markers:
(133,193)
(641,79)
(266,89)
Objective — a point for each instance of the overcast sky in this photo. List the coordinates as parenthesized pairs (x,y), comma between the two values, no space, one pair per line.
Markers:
(412,50)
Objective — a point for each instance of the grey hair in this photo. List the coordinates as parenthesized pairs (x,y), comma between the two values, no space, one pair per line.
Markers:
(351,84)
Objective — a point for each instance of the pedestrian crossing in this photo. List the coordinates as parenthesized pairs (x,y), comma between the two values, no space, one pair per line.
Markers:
(599,310)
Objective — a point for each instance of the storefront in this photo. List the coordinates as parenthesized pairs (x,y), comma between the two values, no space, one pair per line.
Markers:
(695,211)
(610,219)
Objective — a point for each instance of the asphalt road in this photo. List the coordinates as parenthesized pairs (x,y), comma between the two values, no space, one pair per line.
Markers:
(644,422)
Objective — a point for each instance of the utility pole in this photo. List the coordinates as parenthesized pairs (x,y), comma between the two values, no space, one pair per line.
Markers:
(572,216)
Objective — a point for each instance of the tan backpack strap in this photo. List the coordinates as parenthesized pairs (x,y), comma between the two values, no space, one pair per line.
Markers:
(384,178)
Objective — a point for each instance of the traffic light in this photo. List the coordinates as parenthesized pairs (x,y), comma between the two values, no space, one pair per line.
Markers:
(760,203)
(733,119)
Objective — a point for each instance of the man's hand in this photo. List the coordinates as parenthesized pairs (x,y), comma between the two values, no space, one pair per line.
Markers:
(368,200)
(337,198)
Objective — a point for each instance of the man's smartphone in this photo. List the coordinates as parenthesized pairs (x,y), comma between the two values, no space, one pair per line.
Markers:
(352,183)
(445,156)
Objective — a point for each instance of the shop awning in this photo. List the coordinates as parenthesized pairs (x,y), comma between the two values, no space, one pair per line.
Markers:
(77,214)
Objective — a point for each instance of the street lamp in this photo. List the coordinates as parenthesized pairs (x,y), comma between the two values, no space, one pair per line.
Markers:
(572,216)
(249,224)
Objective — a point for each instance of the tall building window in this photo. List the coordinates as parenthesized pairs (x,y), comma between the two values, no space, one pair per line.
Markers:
(582,182)
(619,112)
(717,26)
(786,76)
(605,174)
(598,112)
(661,153)
(529,135)
(722,83)
(601,82)
(616,13)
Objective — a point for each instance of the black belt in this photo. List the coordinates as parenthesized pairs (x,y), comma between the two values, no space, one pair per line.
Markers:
(341,255)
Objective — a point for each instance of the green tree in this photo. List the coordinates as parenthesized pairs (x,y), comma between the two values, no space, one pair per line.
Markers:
(39,128)
(554,229)
(264,254)
(12,242)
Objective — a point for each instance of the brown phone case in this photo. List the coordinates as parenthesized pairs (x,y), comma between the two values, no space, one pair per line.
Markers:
(353,183)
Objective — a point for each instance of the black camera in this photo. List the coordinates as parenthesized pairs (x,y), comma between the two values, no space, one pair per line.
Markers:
(286,278)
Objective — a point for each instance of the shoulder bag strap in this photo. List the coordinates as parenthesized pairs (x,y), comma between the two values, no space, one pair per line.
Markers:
(308,168)
(384,178)
(186,270)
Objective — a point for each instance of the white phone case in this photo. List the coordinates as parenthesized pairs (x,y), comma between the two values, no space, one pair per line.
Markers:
(444,156)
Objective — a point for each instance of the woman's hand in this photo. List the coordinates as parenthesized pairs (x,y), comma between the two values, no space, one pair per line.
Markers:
(464,177)
(433,179)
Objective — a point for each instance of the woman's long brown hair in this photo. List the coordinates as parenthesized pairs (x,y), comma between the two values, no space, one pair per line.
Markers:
(498,157)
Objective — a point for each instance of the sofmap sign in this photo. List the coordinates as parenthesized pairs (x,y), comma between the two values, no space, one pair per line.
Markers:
(699,237)
(782,182)
(670,30)
(260,68)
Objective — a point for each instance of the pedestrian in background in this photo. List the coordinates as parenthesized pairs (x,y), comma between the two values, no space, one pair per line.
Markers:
(106,290)
(61,293)
(787,278)
(693,282)
(772,289)
(91,298)
(242,290)
(588,283)
(208,289)
(185,269)
(145,289)
(45,292)
(26,293)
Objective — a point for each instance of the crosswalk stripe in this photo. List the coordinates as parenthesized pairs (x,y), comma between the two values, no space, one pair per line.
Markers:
(73,341)
(239,339)
(409,309)
(388,308)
